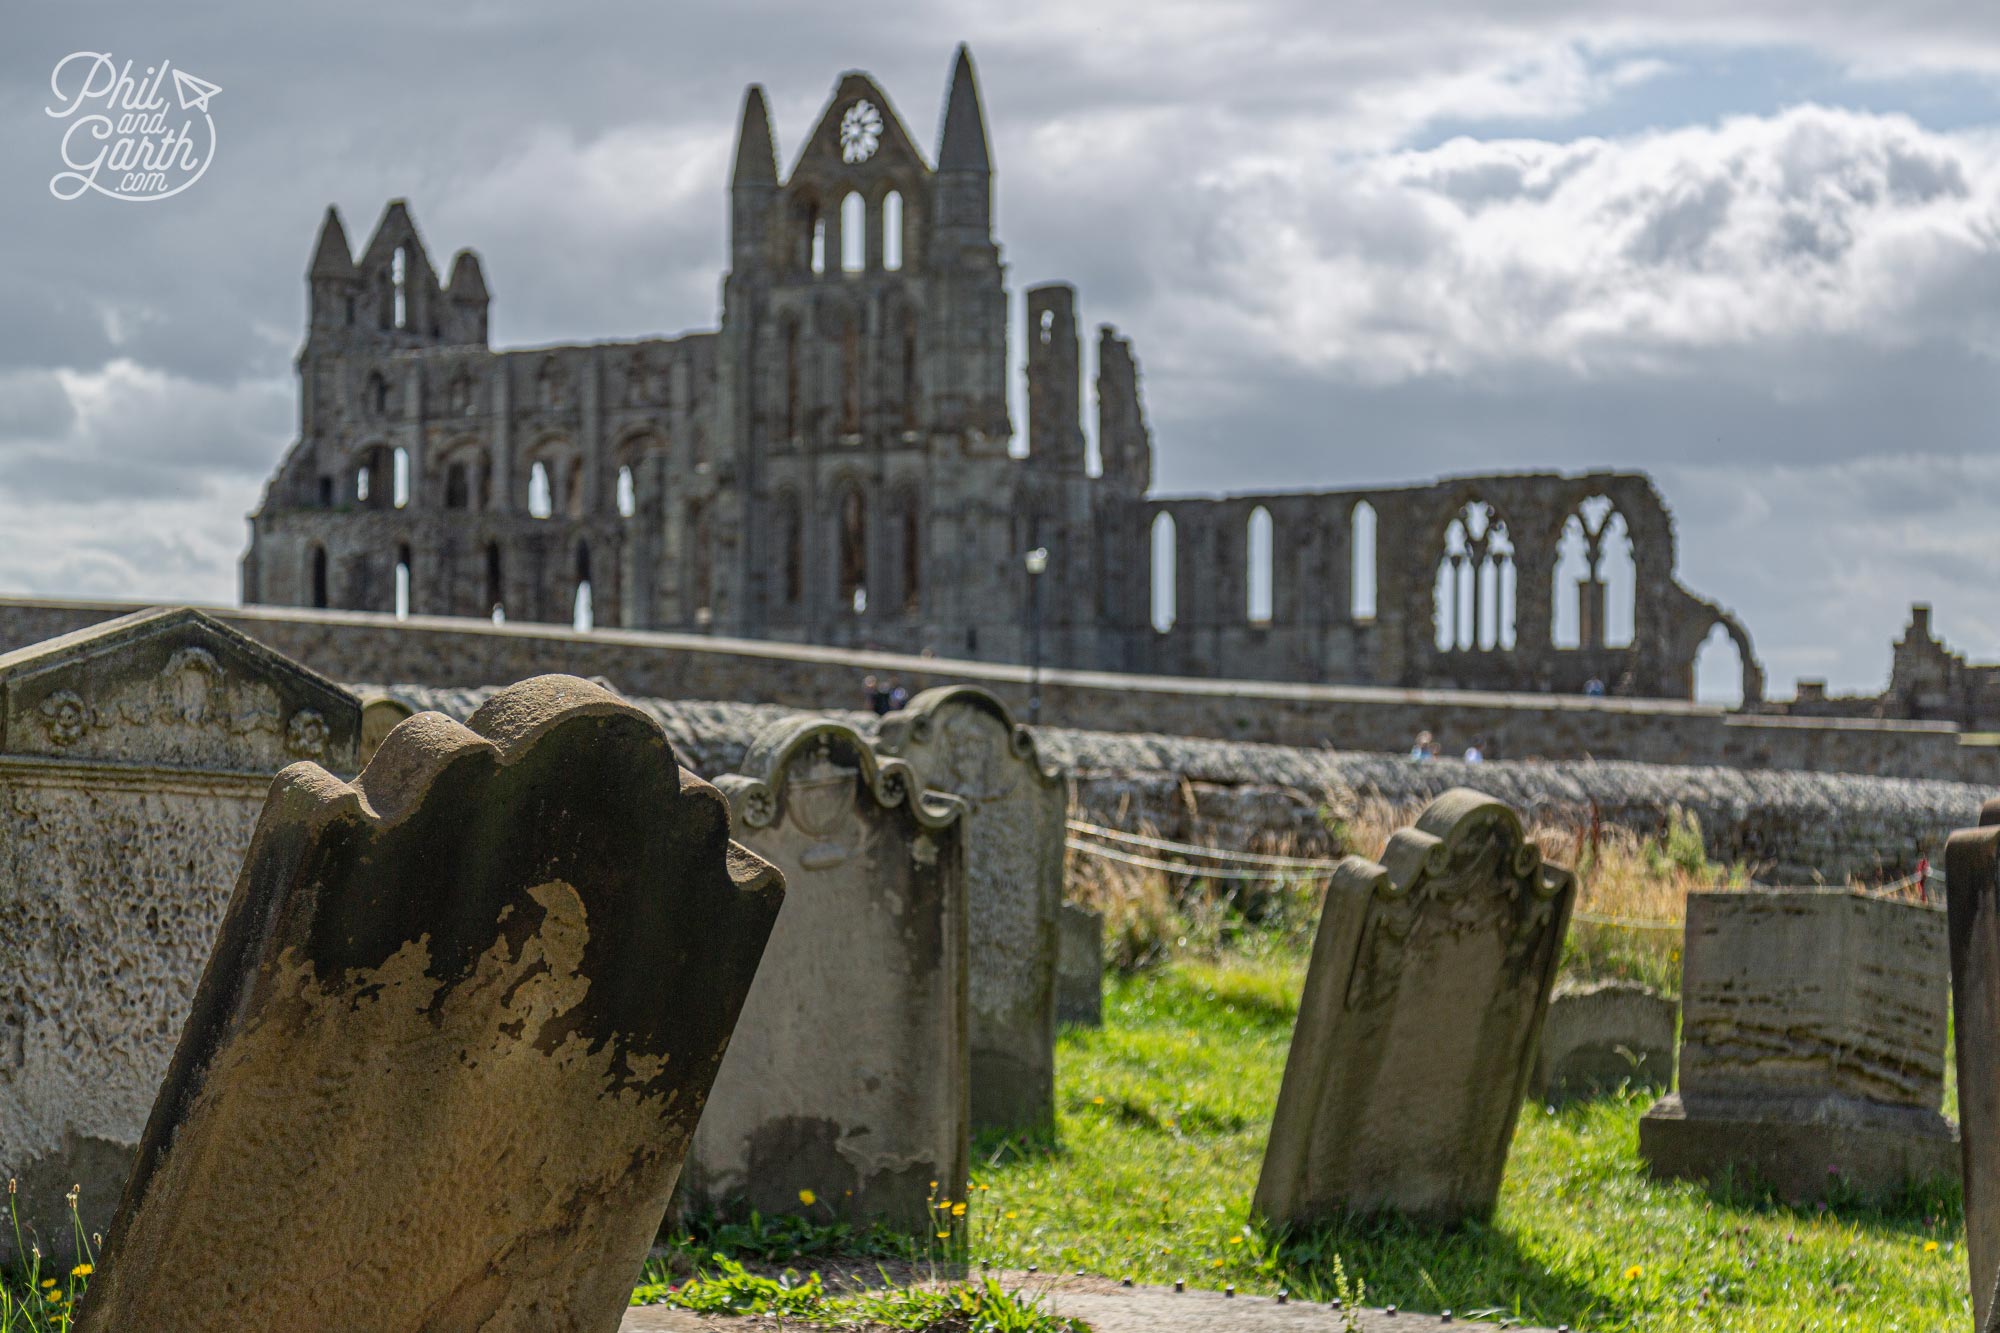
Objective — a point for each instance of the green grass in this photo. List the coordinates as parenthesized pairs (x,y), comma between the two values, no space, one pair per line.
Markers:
(1161,1128)
(1161,1123)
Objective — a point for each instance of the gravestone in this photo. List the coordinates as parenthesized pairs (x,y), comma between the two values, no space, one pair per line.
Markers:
(961,740)
(379,715)
(1429,979)
(848,1076)
(1812,1044)
(454,1037)
(1080,967)
(1601,1037)
(134,756)
(1972,890)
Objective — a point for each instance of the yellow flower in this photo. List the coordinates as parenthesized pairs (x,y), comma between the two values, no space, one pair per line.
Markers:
(1097,1101)
(1011,1214)
(958,1210)
(83,1270)
(1236,1240)
(48,1282)
(944,1205)
(985,1187)
(54,1297)
(1635,1271)
(944,1235)
(1930,1247)
(933,1184)
(808,1198)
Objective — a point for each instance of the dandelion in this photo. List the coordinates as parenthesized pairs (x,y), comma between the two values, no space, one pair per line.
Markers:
(1635,1272)
(1930,1247)
(958,1210)
(83,1270)
(1011,1214)
(808,1198)
(1097,1101)
(54,1297)
(48,1282)
(1236,1240)
(944,1205)
(944,1235)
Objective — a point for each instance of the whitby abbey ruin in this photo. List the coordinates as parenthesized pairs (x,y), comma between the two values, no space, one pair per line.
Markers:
(535,866)
(833,466)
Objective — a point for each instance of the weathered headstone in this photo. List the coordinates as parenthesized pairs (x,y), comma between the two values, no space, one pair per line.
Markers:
(1812,1044)
(848,1076)
(1972,890)
(1603,1036)
(134,756)
(379,715)
(1429,979)
(1080,967)
(457,1029)
(961,740)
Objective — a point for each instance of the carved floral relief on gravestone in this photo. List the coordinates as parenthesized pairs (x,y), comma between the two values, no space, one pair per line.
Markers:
(134,756)
(1428,985)
(454,1037)
(961,740)
(848,1078)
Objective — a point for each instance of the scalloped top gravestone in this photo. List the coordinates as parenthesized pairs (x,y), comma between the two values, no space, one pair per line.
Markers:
(1429,981)
(134,756)
(453,1040)
(1972,890)
(1812,1044)
(961,740)
(848,1075)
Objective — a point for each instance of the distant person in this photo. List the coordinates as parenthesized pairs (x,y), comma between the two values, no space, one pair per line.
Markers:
(898,696)
(1474,755)
(1593,688)
(878,695)
(1424,748)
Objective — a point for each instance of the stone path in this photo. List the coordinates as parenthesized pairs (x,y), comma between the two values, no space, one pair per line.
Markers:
(1112,1309)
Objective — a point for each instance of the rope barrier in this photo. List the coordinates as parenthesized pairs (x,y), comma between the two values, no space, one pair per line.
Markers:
(1623,922)
(1182,868)
(1206,853)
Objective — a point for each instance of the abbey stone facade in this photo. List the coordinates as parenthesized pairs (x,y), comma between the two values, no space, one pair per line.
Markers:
(833,466)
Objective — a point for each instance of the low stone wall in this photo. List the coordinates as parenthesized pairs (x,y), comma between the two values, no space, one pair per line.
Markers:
(349,645)
(1792,827)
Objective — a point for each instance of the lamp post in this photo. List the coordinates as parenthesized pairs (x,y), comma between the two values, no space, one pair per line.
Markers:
(1036,561)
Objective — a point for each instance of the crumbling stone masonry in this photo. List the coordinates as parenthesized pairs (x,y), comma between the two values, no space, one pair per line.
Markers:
(834,465)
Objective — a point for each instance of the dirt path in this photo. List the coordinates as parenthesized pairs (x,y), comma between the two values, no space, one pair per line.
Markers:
(1112,1309)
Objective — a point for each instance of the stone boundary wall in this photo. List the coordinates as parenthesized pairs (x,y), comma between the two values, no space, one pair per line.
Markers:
(1789,826)
(353,645)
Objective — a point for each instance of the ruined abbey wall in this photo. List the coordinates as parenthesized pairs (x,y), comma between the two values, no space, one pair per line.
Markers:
(835,464)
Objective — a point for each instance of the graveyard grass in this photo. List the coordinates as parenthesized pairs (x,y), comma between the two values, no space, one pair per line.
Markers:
(1162,1119)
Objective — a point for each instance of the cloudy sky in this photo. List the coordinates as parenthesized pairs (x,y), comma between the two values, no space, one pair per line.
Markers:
(1753,249)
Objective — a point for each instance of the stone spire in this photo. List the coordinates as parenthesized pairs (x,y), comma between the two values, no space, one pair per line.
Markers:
(756,161)
(962,145)
(331,257)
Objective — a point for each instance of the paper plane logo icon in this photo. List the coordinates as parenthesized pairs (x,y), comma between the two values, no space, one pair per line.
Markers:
(194,93)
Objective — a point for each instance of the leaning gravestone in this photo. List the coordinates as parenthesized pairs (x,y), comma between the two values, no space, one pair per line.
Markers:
(1428,983)
(847,1079)
(1604,1036)
(134,756)
(457,1029)
(961,740)
(1812,1044)
(1972,889)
